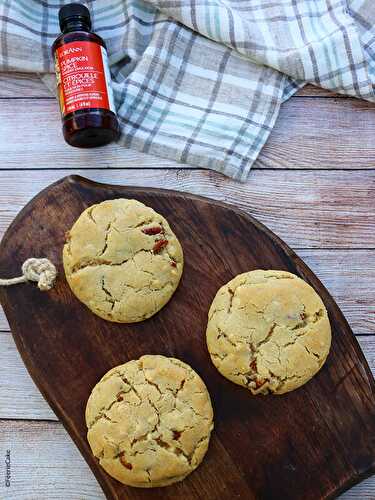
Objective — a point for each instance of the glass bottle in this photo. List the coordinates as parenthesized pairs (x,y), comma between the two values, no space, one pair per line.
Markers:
(83,81)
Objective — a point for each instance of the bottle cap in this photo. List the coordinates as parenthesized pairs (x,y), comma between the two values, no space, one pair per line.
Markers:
(74,11)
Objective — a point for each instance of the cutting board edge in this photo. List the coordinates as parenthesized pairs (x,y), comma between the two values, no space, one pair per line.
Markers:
(302,267)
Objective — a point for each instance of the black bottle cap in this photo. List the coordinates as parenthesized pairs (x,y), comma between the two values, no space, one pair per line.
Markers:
(74,12)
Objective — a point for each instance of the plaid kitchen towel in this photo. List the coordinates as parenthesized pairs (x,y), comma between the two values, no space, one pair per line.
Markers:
(202,81)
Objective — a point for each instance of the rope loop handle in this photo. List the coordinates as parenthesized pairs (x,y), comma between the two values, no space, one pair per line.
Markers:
(42,271)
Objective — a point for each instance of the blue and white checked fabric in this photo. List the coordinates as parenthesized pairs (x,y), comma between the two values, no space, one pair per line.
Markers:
(202,81)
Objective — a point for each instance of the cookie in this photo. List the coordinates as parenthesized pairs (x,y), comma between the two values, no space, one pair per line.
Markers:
(268,331)
(122,260)
(149,421)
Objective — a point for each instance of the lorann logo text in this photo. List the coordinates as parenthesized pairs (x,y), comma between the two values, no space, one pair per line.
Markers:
(72,50)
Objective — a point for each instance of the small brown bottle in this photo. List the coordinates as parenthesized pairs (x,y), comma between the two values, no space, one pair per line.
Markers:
(83,81)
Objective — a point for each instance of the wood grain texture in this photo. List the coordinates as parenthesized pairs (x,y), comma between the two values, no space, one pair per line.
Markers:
(338,403)
(43,145)
(350,278)
(312,91)
(40,474)
(47,466)
(19,396)
(339,271)
(21,399)
(307,209)
(342,137)
(21,85)
(17,85)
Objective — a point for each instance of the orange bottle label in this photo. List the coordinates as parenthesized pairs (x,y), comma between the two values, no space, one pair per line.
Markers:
(83,77)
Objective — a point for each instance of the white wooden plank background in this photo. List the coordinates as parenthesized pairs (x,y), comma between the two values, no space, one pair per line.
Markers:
(342,138)
(314,185)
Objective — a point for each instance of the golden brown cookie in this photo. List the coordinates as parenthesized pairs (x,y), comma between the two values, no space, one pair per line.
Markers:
(149,421)
(268,331)
(122,260)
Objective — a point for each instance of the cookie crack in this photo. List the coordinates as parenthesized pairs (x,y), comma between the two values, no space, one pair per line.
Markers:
(106,236)
(109,296)
(139,439)
(312,353)
(302,324)
(90,215)
(184,367)
(98,262)
(256,308)
(318,315)
(102,414)
(143,223)
(255,349)
(179,389)
(148,475)
(156,434)
(267,338)
(154,384)
(196,413)
(191,456)
(103,411)
(277,277)
(126,381)
(175,450)
(231,296)
(217,355)
(224,335)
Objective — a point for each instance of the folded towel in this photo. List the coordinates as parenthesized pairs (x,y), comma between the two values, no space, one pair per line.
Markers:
(206,78)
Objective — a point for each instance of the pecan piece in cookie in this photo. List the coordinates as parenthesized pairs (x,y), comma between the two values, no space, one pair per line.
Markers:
(128,235)
(176,435)
(153,230)
(139,442)
(120,396)
(280,333)
(124,462)
(259,383)
(159,245)
(253,365)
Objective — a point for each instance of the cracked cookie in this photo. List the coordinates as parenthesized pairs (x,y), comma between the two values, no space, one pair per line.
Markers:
(149,421)
(122,260)
(268,331)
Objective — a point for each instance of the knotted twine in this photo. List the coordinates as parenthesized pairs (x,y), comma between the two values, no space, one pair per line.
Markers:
(42,271)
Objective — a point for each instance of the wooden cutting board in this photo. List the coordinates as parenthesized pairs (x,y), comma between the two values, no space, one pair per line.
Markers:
(312,443)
